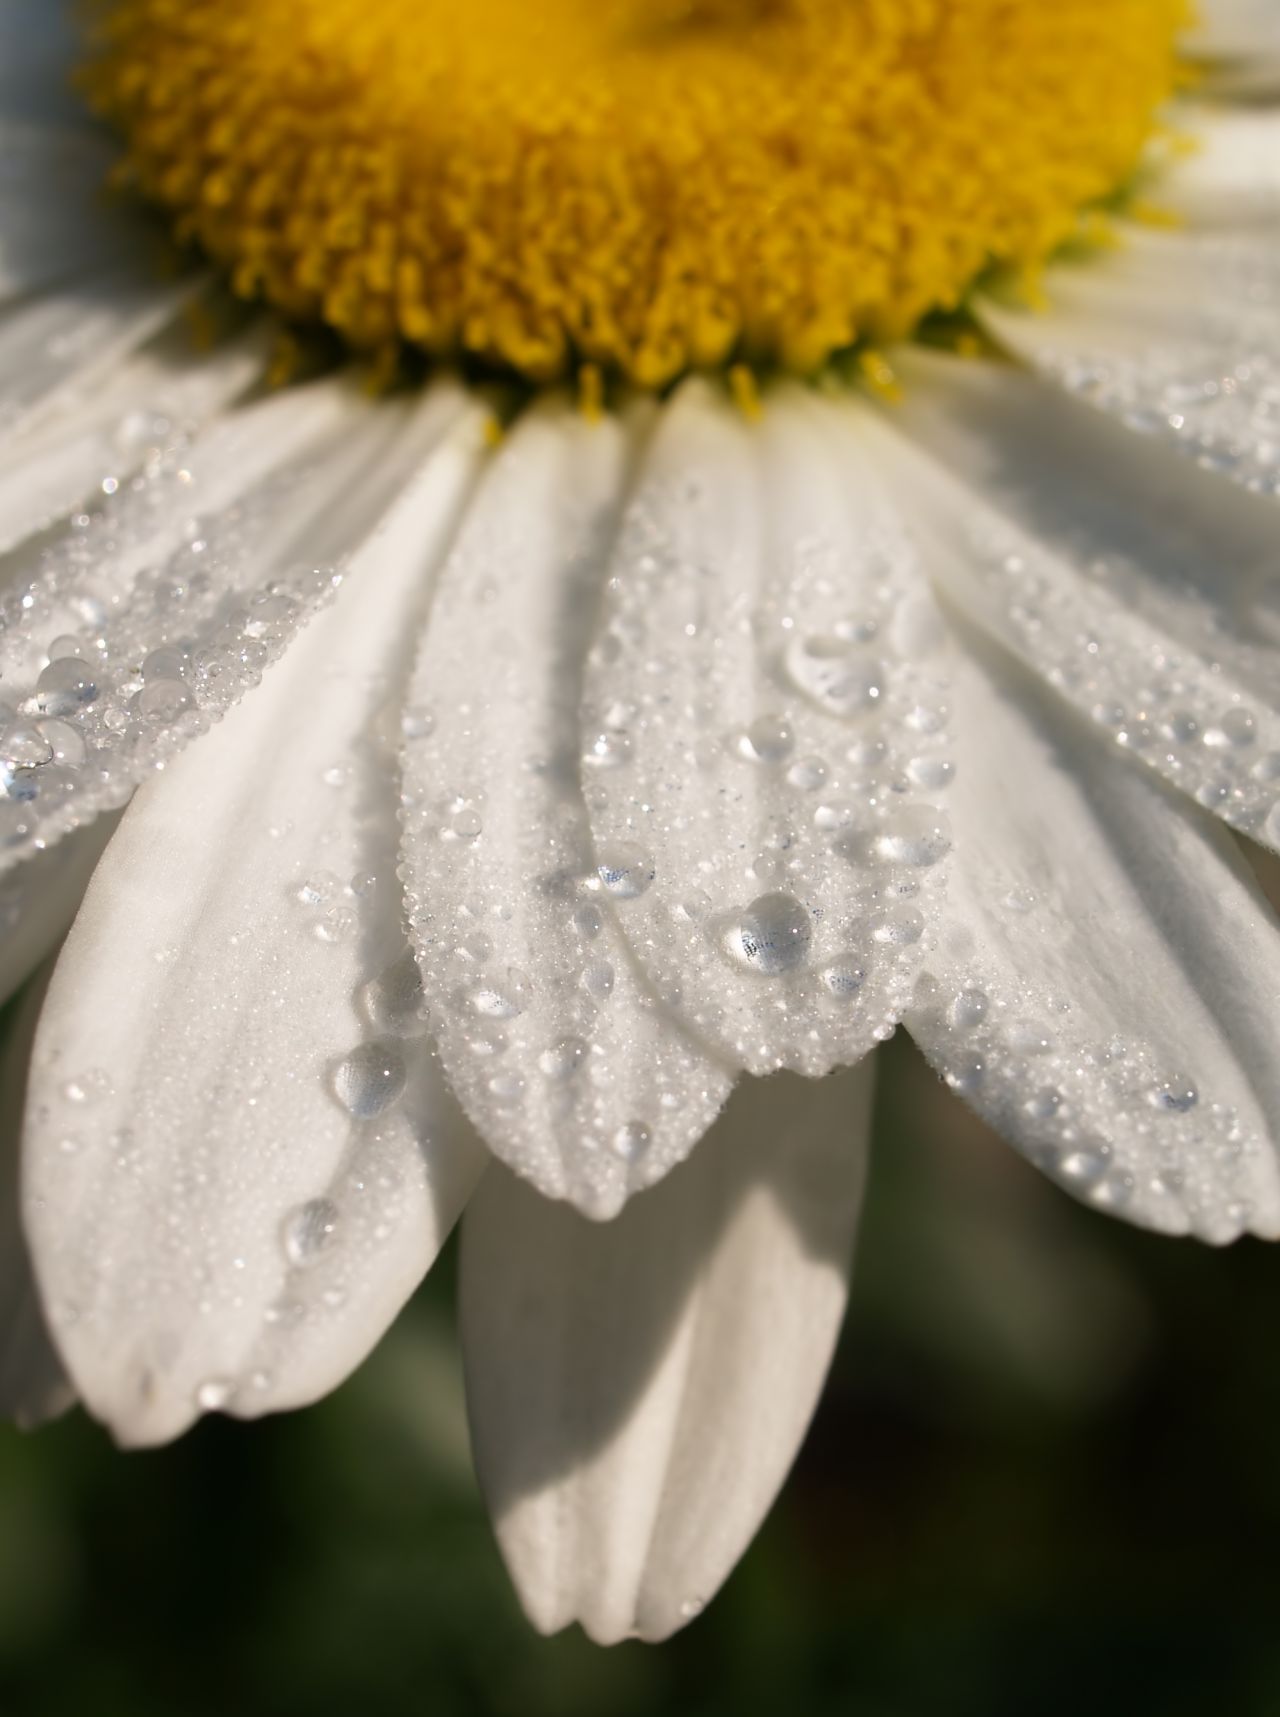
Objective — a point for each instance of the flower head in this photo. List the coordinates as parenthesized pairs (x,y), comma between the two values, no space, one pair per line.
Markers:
(533,799)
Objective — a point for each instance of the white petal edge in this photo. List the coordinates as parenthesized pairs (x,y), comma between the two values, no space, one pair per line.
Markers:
(551,1038)
(1105,985)
(1142,589)
(33,1385)
(769,735)
(212,1227)
(637,1392)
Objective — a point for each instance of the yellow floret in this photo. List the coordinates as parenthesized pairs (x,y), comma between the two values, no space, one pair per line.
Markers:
(647,186)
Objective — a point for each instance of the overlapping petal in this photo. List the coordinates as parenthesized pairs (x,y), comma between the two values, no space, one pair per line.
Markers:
(549,1033)
(638,1391)
(765,735)
(240,1153)
(1107,975)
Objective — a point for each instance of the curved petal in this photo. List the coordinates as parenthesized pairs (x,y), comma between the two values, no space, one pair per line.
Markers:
(39,899)
(1105,986)
(563,1058)
(240,1154)
(33,1385)
(638,1392)
(1143,590)
(102,432)
(766,726)
(1177,334)
(146,625)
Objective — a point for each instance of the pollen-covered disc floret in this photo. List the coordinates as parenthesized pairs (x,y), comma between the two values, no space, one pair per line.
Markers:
(649,185)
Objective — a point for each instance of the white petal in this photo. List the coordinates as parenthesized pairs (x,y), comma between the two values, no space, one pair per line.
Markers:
(105,431)
(213,558)
(1107,980)
(39,898)
(760,678)
(638,1391)
(33,1385)
(1176,334)
(1142,589)
(247,1198)
(68,340)
(549,1035)
(1243,37)
(1231,178)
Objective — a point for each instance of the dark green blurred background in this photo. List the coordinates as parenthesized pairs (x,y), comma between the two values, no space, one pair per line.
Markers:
(1045,1479)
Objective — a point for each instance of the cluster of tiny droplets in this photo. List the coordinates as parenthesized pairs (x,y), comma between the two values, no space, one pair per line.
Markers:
(772,708)
(1213,390)
(1107,1119)
(548,1033)
(142,625)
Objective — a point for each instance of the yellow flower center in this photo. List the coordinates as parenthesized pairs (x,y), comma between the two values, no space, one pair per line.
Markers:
(645,185)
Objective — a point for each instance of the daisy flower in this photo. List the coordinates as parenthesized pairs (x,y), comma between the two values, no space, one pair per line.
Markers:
(806,565)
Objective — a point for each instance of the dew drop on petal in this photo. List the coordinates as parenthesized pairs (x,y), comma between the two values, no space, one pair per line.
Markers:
(392,1002)
(370,1079)
(769,740)
(772,936)
(625,871)
(1173,1096)
(309,1231)
(631,1141)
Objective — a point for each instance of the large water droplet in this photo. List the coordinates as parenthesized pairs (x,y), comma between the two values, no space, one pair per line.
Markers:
(842,978)
(768,740)
(392,1002)
(607,750)
(370,1079)
(772,936)
(65,686)
(308,1232)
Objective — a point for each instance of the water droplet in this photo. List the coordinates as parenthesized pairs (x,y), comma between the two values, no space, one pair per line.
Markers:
(563,1059)
(163,701)
(625,871)
(845,679)
(632,1141)
(897,929)
(931,773)
(370,1079)
(64,687)
(336,925)
(1267,768)
(164,664)
(497,999)
(506,1089)
(807,774)
(597,979)
(1042,1105)
(842,978)
(607,750)
(417,723)
(464,825)
(1233,729)
(66,742)
(214,1393)
(1174,1096)
(25,748)
(588,921)
(918,835)
(392,1002)
(308,1232)
(1027,1037)
(772,936)
(969,1009)
(768,740)
(1083,1166)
